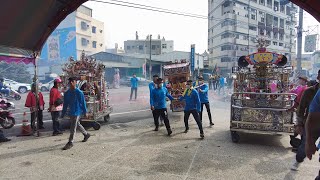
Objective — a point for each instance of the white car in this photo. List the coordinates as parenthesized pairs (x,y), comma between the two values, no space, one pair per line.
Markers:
(20,87)
(47,86)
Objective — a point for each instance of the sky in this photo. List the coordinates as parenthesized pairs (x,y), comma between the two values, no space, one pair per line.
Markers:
(121,23)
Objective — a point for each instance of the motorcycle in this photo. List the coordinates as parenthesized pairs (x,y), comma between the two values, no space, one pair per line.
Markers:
(12,95)
(7,120)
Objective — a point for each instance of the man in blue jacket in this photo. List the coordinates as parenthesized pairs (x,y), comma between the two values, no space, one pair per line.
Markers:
(193,104)
(202,89)
(134,86)
(75,102)
(153,85)
(159,105)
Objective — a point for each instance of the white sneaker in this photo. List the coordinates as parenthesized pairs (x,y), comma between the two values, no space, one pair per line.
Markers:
(295,166)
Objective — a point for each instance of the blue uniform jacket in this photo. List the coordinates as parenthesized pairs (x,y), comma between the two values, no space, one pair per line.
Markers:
(75,101)
(151,87)
(204,95)
(192,101)
(158,96)
(134,82)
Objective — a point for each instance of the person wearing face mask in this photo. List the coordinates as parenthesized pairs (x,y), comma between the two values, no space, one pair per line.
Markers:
(152,86)
(202,89)
(56,106)
(159,105)
(193,106)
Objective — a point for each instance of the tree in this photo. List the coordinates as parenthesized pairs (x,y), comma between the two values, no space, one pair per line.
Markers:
(16,72)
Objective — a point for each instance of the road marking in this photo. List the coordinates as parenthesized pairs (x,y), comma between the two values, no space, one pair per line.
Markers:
(191,164)
(114,114)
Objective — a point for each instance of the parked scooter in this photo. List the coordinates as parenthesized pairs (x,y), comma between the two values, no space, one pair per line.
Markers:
(12,95)
(7,120)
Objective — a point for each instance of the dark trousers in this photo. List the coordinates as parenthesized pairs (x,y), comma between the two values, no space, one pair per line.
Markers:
(161,113)
(55,122)
(301,154)
(135,95)
(196,117)
(40,117)
(208,110)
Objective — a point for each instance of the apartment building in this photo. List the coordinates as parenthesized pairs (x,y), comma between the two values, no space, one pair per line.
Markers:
(234,26)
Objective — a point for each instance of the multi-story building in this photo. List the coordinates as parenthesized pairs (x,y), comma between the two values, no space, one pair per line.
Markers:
(78,32)
(142,46)
(234,26)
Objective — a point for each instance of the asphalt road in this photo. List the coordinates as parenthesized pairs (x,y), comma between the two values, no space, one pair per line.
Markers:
(123,109)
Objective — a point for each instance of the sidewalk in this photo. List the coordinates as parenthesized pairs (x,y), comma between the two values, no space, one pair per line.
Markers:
(132,151)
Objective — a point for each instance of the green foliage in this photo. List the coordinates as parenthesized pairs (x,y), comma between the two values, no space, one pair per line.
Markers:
(16,72)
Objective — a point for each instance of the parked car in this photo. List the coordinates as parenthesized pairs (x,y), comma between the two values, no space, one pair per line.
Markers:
(20,87)
(46,86)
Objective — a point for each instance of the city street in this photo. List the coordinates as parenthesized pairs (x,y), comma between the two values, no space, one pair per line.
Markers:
(127,148)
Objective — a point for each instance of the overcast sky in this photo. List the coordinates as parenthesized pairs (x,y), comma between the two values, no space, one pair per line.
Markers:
(121,23)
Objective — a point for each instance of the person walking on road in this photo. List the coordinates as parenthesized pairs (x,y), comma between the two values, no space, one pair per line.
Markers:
(302,114)
(153,85)
(193,104)
(202,89)
(134,86)
(74,101)
(159,105)
(221,84)
(55,106)
(312,127)
(31,103)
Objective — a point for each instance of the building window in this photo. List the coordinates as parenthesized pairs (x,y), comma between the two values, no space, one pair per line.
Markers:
(84,25)
(269,3)
(281,44)
(132,47)
(84,42)
(275,43)
(94,29)
(94,44)
(253,16)
(128,47)
(262,2)
(253,28)
(226,47)
(164,46)
(140,47)
(225,59)
(153,47)
(282,9)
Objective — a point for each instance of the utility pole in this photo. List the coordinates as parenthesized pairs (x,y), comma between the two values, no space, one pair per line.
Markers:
(299,41)
(150,57)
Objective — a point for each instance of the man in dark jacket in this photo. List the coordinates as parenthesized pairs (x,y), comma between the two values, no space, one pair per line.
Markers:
(302,114)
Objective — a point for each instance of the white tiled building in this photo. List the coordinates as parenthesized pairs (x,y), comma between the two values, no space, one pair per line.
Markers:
(234,25)
(89,32)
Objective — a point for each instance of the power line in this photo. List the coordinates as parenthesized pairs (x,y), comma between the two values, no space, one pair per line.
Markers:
(154,9)
(159,8)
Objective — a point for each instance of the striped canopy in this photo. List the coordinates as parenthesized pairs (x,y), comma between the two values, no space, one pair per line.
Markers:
(26,24)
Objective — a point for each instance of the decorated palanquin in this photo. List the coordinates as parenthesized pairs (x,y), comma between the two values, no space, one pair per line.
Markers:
(177,74)
(260,100)
(91,81)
